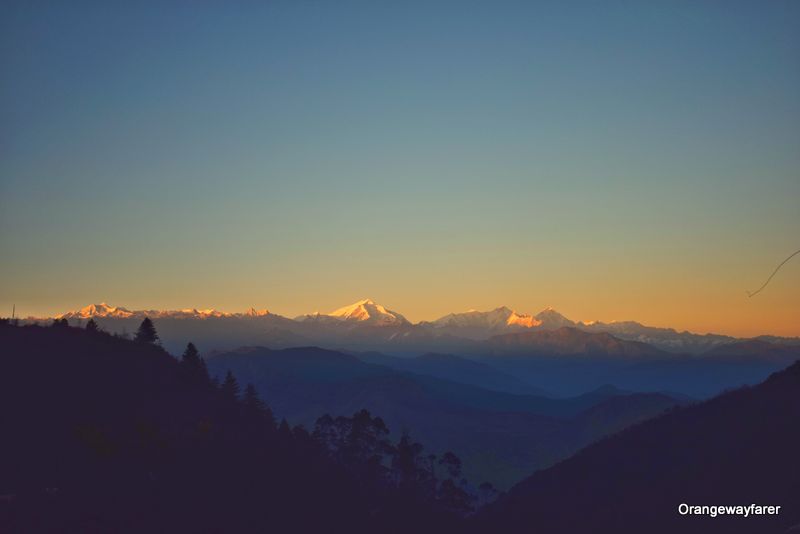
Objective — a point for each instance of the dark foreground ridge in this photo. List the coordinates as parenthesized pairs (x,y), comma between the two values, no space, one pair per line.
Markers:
(102,434)
(740,448)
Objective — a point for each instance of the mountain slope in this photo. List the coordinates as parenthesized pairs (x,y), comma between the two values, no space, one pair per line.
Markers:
(550,319)
(736,449)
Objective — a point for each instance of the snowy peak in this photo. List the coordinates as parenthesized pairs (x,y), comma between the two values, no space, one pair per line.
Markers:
(550,318)
(369,312)
(252,312)
(97,310)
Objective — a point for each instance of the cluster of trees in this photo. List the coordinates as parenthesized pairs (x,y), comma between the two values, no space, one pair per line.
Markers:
(196,372)
(362,444)
(146,333)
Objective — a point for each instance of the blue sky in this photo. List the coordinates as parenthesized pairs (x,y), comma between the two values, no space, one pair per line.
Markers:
(614,160)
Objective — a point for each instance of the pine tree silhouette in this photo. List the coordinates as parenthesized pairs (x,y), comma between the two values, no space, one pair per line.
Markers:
(256,407)
(251,399)
(194,365)
(91,326)
(147,332)
(230,387)
(284,430)
(190,357)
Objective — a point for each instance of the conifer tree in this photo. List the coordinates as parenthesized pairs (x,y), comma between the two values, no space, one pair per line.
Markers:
(190,357)
(230,387)
(91,326)
(251,400)
(204,371)
(254,405)
(146,332)
(284,430)
(194,364)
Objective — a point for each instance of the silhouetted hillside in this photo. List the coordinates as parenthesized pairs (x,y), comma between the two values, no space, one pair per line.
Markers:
(737,449)
(501,437)
(101,434)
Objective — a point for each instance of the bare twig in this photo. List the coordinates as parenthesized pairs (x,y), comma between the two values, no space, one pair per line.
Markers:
(753,293)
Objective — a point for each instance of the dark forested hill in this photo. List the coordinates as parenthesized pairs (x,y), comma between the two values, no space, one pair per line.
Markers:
(101,434)
(739,448)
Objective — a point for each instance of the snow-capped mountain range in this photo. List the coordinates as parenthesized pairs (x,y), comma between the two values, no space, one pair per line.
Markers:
(367,325)
(472,324)
(106,311)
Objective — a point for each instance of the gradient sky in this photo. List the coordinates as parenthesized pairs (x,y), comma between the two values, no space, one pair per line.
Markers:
(614,160)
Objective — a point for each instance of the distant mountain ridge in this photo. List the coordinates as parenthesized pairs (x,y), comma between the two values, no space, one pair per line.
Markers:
(366,325)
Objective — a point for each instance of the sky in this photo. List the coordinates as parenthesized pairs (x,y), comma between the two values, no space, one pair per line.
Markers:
(614,160)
